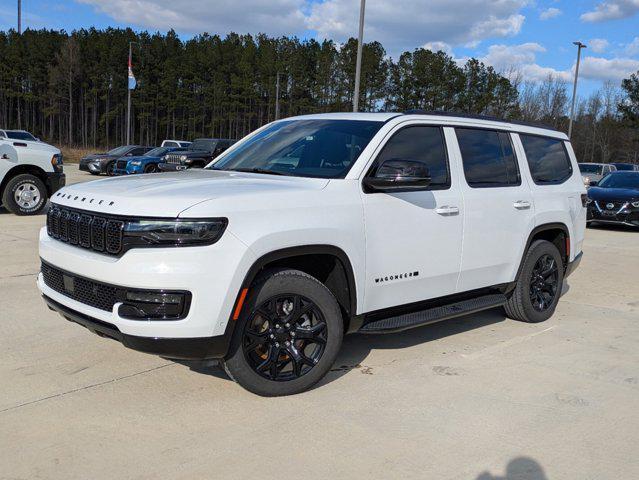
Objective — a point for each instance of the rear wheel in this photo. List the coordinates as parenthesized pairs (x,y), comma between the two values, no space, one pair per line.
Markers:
(287,337)
(25,195)
(151,168)
(539,285)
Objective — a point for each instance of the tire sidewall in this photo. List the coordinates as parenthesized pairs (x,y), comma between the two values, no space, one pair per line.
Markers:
(13,186)
(276,284)
(537,250)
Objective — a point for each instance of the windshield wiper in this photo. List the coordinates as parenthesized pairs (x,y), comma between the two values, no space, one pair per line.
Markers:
(256,170)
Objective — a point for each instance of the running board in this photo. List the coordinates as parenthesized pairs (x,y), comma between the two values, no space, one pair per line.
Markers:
(432,315)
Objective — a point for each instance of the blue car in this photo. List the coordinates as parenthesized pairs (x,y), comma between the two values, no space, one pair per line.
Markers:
(147,163)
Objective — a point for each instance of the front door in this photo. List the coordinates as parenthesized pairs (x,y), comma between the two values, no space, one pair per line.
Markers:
(414,239)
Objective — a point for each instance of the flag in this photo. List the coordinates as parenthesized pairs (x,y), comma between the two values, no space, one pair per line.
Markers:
(132,82)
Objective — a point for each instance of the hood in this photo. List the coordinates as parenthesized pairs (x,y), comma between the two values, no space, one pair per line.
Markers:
(34,146)
(168,194)
(625,194)
(95,156)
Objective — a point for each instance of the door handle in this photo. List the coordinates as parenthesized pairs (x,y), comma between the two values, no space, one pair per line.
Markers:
(521,205)
(447,210)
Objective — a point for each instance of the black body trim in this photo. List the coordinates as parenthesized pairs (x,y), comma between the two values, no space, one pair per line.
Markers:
(572,266)
(539,229)
(441,113)
(54,181)
(199,348)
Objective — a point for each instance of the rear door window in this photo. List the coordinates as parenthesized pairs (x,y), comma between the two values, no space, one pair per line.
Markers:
(488,158)
(547,158)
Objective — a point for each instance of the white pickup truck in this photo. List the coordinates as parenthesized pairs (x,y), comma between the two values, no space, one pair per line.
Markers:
(30,172)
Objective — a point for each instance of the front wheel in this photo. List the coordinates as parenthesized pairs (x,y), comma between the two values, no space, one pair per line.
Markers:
(287,337)
(539,284)
(110,169)
(151,168)
(25,195)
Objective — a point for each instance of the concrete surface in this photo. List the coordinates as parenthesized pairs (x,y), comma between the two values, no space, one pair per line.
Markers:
(480,397)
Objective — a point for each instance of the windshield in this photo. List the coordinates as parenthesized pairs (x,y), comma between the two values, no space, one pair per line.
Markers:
(623,180)
(119,150)
(306,148)
(590,168)
(206,145)
(157,152)
(624,166)
(18,135)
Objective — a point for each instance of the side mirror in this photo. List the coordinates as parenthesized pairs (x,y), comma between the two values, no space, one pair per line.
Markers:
(593,183)
(398,176)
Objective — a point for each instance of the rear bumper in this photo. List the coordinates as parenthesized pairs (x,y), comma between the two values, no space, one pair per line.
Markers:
(199,348)
(572,266)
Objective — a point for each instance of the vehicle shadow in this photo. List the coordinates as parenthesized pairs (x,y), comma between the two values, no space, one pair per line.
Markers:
(520,468)
(357,347)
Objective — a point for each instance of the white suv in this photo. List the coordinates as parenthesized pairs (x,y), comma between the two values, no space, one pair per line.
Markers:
(317,226)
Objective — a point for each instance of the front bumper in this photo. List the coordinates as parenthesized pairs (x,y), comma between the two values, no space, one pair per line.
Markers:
(171,167)
(200,348)
(629,217)
(213,274)
(55,181)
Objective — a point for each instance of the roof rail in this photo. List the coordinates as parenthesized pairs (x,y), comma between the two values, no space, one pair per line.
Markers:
(472,116)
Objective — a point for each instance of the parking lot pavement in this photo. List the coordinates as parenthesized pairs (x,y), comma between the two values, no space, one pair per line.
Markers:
(479,397)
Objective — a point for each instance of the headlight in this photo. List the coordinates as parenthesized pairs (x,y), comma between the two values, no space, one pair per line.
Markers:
(135,163)
(635,204)
(183,157)
(57,162)
(173,233)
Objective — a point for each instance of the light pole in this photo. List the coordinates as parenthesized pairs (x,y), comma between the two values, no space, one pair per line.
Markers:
(277,96)
(358,65)
(19,17)
(574,88)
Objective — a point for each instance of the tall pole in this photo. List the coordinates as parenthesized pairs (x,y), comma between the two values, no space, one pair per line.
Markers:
(277,97)
(574,87)
(358,65)
(128,104)
(19,17)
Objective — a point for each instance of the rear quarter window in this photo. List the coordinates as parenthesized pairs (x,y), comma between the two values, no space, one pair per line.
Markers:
(547,159)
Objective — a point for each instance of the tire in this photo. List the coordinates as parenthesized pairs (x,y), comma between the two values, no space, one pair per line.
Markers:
(292,351)
(538,290)
(110,169)
(25,194)
(94,173)
(151,168)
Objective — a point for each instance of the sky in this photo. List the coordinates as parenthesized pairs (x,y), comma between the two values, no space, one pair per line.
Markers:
(533,36)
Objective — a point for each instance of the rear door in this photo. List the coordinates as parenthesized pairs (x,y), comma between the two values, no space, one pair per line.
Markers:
(414,239)
(498,207)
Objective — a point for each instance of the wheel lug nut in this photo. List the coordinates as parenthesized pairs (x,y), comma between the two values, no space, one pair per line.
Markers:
(287,325)
(272,336)
(288,344)
(277,344)
(292,334)
(277,326)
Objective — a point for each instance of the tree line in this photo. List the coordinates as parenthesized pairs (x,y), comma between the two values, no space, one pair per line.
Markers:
(71,88)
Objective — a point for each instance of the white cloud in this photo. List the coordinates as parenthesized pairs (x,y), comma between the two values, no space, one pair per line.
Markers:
(522,58)
(437,46)
(550,13)
(597,68)
(598,45)
(612,10)
(632,48)
(402,24)
(275,17)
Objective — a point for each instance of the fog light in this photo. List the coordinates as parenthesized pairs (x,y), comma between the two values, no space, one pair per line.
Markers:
(141,305)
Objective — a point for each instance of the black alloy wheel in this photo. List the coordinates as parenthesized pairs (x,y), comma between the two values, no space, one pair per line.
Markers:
(110,169)
(544,283)
(151,168)
(285,337)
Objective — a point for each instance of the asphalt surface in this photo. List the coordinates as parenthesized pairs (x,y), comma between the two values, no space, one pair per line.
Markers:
(480,397)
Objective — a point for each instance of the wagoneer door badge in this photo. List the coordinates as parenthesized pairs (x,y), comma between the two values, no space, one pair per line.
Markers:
(392,278)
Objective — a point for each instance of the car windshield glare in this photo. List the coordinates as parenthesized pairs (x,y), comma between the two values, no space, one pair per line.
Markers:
(305,148)
(118,151)
(586,168)
(623,180)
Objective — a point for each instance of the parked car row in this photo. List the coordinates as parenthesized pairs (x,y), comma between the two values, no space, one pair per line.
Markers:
(172,155)
(594,172)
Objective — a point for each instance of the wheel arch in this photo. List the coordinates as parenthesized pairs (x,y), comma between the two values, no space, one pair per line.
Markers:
(556,233)
(328,263)
(24,169)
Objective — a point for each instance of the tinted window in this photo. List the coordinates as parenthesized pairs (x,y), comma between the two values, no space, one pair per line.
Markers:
(308,148)
(420,144)
(547,159)
(625,166)
(119,150)
(586,167)
(139,151)
(20,135)
(488,157)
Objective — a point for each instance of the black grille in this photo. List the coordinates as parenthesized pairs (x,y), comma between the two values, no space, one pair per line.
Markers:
(94,232)
(83,290)
(174,159)
(616,204)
